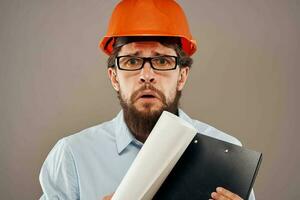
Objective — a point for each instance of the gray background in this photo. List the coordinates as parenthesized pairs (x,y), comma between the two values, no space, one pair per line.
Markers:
(244,81)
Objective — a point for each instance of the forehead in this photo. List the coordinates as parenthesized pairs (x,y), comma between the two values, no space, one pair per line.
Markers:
(146,48)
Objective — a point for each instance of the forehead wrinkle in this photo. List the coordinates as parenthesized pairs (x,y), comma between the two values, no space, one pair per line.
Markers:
(147,48)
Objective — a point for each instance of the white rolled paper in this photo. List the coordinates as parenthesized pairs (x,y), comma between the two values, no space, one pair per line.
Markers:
(161,151)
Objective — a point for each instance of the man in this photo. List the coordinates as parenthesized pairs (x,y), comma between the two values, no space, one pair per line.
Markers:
(149,47)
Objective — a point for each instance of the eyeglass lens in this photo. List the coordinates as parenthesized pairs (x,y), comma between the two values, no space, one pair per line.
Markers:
(135,63)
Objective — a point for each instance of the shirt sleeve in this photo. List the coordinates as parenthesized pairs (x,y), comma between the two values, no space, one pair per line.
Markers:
(58,176)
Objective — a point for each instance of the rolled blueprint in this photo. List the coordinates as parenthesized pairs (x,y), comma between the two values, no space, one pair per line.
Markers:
(162,149)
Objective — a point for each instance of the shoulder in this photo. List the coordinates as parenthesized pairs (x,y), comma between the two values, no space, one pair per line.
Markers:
(215,133)
(206,129)
(68,149)
(87,141)
(99,133)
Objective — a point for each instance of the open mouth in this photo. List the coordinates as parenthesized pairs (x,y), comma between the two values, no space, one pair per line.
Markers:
(147,96)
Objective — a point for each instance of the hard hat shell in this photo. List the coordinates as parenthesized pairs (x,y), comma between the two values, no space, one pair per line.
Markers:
(148,18)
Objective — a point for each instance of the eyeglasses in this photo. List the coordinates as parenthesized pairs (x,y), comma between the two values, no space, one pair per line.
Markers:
(133,63)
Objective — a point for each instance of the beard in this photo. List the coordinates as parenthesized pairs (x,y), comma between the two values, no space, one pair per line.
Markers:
(141,123)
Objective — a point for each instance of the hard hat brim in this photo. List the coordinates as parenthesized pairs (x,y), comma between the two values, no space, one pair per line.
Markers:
(188,46)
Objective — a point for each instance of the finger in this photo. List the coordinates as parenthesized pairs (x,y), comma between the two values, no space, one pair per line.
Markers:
(228,194)
(218,196)
(108,197)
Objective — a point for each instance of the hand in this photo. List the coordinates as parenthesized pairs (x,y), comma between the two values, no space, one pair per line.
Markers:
(223,194)
(108,197)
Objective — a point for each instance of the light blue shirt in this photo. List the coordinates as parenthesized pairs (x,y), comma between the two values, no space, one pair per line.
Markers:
(91,164)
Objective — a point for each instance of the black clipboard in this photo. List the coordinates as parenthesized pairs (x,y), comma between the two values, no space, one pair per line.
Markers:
(208,163)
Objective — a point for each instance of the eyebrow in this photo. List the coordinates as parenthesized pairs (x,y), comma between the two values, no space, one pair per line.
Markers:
(138,53)
(132,54)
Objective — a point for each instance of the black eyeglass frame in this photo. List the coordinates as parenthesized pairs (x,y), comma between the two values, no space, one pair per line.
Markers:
(146,59)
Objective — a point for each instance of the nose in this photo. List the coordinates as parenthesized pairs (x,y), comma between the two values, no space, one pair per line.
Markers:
(147,75)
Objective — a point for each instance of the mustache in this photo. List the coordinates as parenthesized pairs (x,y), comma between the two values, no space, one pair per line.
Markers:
(148,87)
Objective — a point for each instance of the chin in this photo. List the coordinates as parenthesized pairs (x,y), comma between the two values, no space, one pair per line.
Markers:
(149,108)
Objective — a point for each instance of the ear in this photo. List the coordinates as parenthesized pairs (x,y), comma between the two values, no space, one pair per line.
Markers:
(112,74)
(183,75)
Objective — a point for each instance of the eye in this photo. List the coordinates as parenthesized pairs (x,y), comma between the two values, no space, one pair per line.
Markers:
(132,61)
(162,61)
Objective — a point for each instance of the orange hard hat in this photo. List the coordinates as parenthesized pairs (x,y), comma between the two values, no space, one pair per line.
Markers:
(148,18)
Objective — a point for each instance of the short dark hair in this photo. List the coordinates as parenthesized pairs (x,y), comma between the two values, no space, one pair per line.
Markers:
(172,42)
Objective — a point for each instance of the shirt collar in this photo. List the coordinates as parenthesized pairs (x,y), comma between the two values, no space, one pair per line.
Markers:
(123,135)
(185,117)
